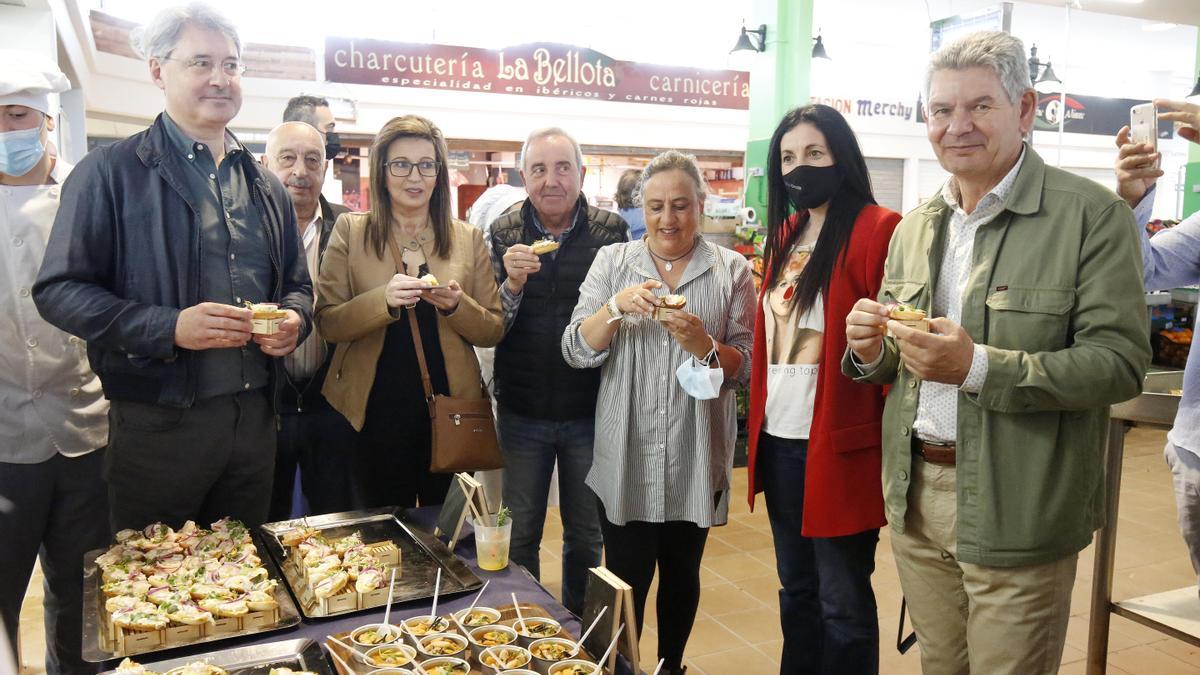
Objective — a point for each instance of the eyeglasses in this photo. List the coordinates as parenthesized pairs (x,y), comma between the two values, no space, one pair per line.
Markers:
(311,162)
(231,68)
(402,168)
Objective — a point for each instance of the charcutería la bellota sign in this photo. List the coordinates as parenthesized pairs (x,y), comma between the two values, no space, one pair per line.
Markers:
(541,69)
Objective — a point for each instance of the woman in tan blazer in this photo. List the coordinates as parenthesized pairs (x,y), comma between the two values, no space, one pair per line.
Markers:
(364,295)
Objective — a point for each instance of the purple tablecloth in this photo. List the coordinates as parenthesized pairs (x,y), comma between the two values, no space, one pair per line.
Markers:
(513,579)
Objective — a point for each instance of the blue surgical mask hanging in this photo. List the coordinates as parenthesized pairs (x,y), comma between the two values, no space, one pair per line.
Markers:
(700,381)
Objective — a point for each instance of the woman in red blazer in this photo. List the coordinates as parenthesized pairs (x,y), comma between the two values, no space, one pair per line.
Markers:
(815,434)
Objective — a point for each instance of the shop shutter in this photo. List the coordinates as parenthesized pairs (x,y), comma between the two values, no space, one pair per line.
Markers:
(887,180)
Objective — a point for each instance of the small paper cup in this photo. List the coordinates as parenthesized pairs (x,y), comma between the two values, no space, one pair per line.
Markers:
(522,656)
(413,637)
(461,645)
(391,671)
(508,635)
(492,615)
(459,665)
(568,667)
(393,634)
(374,656)
(525,640)
(543,665)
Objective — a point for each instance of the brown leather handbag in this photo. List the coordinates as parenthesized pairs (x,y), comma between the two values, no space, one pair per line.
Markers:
(464,432)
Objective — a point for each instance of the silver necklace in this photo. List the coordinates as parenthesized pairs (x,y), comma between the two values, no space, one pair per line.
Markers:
(669,264)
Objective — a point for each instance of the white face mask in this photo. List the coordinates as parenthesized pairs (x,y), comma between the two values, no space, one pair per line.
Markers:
(20,151)
(700,381)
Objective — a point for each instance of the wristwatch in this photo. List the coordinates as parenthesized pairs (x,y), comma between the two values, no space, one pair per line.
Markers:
(613,310)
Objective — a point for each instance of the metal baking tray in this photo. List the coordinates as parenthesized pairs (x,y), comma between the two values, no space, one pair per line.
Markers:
(421,555)
(300,654)
(96,635)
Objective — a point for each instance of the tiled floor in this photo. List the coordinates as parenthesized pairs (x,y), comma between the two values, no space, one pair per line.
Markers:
(737,631)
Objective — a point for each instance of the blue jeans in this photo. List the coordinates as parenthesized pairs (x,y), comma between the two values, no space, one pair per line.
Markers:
(826,606)
(530,448)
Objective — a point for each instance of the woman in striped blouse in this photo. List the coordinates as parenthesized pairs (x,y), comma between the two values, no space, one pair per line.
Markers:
(665,420)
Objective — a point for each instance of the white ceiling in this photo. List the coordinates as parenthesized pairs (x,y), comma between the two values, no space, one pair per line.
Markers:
(1169,11)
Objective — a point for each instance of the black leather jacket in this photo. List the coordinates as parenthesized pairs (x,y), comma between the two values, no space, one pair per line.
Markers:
(123,259)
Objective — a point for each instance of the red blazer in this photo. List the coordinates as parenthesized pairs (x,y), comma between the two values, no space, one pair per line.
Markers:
(843,490)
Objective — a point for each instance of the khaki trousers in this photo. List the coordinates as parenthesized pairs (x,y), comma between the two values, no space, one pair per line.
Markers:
(970,618)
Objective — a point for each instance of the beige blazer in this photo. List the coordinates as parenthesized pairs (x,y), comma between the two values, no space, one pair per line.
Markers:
(352,312)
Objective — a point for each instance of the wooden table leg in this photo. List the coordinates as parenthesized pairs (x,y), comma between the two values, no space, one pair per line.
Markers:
(1106,550)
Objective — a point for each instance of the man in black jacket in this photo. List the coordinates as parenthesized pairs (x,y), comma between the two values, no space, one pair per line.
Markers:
(312,434)
(546,408)
(159,241)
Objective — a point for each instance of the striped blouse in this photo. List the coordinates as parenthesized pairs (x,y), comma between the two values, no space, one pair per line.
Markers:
(661,455)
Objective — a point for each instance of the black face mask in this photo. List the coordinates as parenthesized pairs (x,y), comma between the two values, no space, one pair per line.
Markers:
(333,145)
(811,186)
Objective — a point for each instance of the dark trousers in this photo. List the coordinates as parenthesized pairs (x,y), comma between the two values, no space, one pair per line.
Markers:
(632,551)
(531,447)
(391,467)
(202,463)
(56,510)
(826,606)
(319,441)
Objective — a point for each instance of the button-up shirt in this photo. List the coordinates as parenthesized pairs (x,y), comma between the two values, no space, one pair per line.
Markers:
(306,359)
(510,303)
(661,455)
(52,401)
(235,264)
(937,407)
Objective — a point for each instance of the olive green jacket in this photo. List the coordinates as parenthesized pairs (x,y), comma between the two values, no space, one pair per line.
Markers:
(1055,295)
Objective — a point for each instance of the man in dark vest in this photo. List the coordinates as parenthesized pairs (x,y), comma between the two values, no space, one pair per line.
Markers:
(546,408)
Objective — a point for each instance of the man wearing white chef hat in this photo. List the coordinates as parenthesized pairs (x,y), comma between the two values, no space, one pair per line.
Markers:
(53,424)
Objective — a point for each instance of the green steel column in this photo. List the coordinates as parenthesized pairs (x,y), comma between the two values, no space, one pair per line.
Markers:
(778,83)
(1191,176)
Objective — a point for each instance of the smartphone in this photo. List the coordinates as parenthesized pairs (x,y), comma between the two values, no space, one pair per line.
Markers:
(1143,124)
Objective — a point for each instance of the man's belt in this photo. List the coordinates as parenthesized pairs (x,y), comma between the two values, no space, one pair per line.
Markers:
(934,453)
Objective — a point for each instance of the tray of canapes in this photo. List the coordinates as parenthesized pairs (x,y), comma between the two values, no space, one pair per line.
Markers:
(342,562)
(486,640)
(287,657)
(160,588)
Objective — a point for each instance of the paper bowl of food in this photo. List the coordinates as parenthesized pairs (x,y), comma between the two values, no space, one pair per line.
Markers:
(446,665)
(909,316)
(390,656)
(480,616)
(444,644)
(669,303)
(518,671)
(391,671)
(548,652)
(418,627)
(375,634)
(575,667)
(495,660)
(535,628)
(492,636)
(266,318)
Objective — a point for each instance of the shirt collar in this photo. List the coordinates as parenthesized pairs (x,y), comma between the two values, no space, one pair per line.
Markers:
(187,146)
(997,195)
(314,227)
(538,224)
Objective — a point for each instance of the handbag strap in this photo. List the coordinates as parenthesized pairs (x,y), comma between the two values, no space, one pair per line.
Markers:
(426,382)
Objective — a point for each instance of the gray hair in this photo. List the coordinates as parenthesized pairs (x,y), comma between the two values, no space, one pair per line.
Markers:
(546,132)
(303,108)
(157,39)
(673,160)
(1001,52)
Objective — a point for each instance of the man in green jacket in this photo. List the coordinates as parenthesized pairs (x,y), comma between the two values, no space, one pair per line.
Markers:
(993,431)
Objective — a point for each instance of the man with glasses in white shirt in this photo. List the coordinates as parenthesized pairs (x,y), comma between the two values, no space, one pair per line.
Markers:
(312,435)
